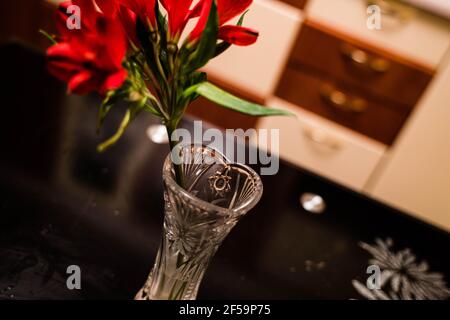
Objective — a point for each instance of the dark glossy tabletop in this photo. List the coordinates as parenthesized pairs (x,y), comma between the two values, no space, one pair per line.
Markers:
(63,204)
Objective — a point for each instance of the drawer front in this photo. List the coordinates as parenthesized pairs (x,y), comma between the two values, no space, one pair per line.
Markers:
(324,147)
(421,38)
(373,71)
(342,105)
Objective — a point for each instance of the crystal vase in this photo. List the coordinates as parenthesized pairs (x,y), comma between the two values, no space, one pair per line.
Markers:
(198,217)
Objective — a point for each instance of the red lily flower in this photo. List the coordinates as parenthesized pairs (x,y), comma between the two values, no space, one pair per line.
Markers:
(110,8)
(227,10)
(127,12)
(91,60)
(123,10)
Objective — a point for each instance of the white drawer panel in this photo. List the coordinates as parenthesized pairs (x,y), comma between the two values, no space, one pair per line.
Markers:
(423,39)
(324,147)
(256,69)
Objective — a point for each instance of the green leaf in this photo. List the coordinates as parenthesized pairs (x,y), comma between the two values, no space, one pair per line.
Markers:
(227,100)
(206,46)
(196,78)
(241,19)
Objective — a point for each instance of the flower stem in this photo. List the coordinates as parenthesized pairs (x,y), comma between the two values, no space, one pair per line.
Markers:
(123,126)
(173,141)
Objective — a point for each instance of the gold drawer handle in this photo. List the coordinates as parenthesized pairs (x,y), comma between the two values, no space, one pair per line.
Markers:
(342,101)
(322,138)
(399,12)
(365,60)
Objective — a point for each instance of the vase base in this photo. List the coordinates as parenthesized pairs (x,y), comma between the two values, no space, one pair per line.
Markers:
(141,296)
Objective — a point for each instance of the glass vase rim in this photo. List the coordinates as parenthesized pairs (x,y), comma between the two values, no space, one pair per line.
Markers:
(170,181)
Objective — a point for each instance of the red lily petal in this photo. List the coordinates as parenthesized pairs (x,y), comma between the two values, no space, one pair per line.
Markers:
(106,46)
(109,8)
(196,11)
(82,83)
(145,9)
(237,35)
(63,51)
(164,4)
(178,12)
(62,16)
(63,70)
(113,81)
(128,19)
(202,21)
(228,9)
(88,13)
(63,61)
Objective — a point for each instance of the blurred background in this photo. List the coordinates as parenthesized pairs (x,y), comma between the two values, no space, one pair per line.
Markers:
(373,104)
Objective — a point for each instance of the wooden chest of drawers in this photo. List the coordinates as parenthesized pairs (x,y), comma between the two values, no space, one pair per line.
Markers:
(342,104)
(375,72)
(352,83)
